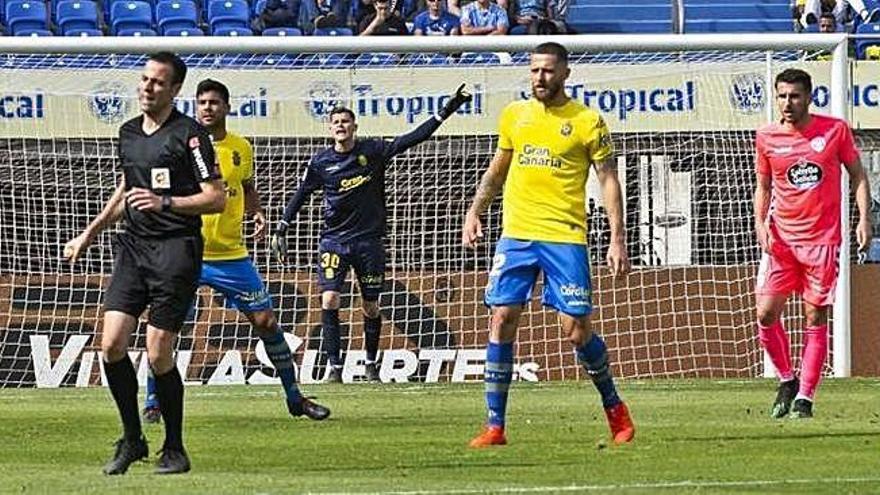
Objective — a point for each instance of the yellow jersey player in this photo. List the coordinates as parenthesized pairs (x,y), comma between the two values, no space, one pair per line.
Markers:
(545,147)
(226,267)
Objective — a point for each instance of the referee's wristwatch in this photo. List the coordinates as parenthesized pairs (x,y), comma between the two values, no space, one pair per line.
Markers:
(166,202)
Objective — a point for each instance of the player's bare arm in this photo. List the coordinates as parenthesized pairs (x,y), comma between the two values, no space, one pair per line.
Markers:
(859,182)
(762,206)
(489,187)
(254,208)
(606,172)
(109,215)
(211,199)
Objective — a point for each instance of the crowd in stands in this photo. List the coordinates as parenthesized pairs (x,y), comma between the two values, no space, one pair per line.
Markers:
(282,17)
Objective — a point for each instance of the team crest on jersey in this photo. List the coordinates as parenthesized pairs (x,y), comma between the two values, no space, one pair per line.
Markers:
(236,158)
(362,160)
(818,144)
(804,174)
(566,129)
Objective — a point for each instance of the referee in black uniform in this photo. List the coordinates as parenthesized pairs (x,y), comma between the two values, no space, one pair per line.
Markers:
(169,178)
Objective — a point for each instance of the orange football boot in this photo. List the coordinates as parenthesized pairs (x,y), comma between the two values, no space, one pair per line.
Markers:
(622,428)
(491,435)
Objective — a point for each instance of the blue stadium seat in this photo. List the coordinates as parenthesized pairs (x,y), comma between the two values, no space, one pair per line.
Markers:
(26,15)
(259,5)
(228,13)
(608,16)
(76,15)
(130,15)
(179,31)
(861,45)
(282,31)
(430,59)
(34,33)
(333,32)
(232,31)
(377,59)
(84,33)
(176,14)
(475,58)
(137,32)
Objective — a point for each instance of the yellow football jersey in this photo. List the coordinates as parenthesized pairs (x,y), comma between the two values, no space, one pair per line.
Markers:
(553,148)
(222,231)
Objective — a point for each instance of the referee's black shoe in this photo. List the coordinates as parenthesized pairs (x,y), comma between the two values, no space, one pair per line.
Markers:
(172,461)
(308,408)
(784,395)
(127,452)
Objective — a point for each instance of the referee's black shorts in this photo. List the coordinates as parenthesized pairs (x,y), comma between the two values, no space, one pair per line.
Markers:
(160,273)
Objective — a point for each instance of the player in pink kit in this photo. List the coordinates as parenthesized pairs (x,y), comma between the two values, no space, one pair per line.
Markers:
(797,220)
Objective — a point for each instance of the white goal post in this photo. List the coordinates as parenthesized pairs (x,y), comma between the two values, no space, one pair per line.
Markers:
(682,109)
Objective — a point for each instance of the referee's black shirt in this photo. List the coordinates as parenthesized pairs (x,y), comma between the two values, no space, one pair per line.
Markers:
(173,160)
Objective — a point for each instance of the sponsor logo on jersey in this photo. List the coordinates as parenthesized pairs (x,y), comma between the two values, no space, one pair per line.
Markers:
(353,182)
(109,101)
(194,142)
(200,160)
(538,156)
(160,178)
(574,290)
(804,174)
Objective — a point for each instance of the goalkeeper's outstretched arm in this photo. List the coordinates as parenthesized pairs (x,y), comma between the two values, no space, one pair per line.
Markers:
(278,244)
(109,215)
(490,185)
(428,127)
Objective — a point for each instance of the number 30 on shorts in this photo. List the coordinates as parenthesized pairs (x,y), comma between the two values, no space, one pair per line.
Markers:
(329,262)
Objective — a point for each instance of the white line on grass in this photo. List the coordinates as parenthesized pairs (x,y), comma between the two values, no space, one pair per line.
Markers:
(623,486)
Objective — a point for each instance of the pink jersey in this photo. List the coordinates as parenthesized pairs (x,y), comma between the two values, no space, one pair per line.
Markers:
(804,167)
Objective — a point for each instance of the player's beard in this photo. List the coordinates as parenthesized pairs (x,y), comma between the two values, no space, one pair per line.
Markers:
(551,92)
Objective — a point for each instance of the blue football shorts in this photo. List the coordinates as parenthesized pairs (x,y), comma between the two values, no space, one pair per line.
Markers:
(239,283)
(566,269)
(366,256)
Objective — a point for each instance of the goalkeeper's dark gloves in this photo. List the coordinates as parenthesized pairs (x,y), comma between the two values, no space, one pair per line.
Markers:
(278,243)
(460,97)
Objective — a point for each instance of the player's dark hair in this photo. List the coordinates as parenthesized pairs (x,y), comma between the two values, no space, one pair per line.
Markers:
(551,48)
(828,15)
(342,110)
(795,76)
(218,87)
(177,65)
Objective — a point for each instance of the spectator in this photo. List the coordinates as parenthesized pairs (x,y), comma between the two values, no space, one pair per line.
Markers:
(436,22)
(384,22)
(536,17)
(827,23)
(454,6)
(483,17)
(813,10)
(331,13)
(277,13)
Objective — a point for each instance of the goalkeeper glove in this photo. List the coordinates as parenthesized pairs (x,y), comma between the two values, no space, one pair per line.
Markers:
(460,97)
(278,243)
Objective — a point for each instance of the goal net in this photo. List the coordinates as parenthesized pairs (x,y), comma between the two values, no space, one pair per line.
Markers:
(683,126)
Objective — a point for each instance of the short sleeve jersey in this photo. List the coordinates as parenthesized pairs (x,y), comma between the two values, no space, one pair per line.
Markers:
(222,231)
(441,26)
(553,148)
(804,167)
(173,160)
(474,16)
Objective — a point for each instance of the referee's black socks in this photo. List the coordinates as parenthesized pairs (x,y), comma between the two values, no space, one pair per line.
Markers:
(122,380)
(169,389)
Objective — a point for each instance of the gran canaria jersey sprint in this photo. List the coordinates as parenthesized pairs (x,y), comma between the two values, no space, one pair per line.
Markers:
(553,148)
(222,231)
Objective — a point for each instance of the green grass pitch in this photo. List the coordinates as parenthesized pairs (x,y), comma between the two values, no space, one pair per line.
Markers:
(693,436)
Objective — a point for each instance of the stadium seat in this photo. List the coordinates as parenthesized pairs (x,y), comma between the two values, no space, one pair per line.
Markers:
(232,31)
(333,32)
(474,58)
(228,13)
(136,32)
(26,15)
(258,7)
(430,59)
(132,15)
(179,31)
(176,14)
(282,31)
(34,33)
(84,33)
(377,59)
(76,15)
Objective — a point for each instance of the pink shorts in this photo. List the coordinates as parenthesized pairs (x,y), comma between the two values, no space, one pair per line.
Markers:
(808,270)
